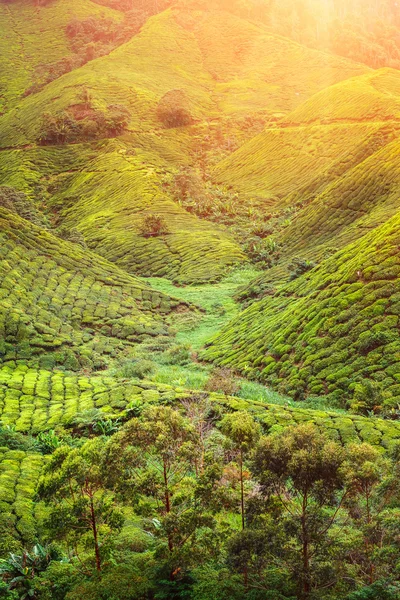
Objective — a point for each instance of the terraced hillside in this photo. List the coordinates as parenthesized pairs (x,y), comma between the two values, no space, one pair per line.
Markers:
(282,166)
(107,190)
(211,57)
(19,474)
(35,400)
(325,331)
(363,198)
(63,305)
(34,35)
(374,96)
(331,132)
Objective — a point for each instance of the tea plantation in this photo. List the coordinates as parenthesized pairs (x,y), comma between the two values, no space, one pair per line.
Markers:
(19,473)
(60,304)
(328,329)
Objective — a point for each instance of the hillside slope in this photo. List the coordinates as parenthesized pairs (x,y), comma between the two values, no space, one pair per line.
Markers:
(62,305)
(34,36)
(329,133)
(328,329)
(362,199)
(208,55)
(106,190)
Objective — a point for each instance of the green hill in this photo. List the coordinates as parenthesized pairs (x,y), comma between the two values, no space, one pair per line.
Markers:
(208,55)
(319,141)
(63,305)
(362,199)
(371,97)
(106,190)
(211,66)
(34,36)
(325,331)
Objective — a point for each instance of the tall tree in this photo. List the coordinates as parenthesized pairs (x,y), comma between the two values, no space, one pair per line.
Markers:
(82,511)
(305,471)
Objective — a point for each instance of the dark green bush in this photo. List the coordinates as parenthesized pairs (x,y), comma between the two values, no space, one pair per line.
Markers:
(299,266)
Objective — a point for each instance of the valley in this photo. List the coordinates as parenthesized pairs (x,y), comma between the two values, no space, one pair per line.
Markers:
(199,300)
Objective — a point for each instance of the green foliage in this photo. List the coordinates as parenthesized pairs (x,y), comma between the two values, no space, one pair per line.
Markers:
(326,330)
(82,511)
(173,109)
(82,123)
(67,306)
(18,203)
(299,266)
(223,381)
(154,226)
(19,571)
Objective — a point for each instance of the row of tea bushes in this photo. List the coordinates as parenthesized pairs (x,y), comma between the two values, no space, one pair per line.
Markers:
(61,304)
(19,473)
(328,330)
(35,401)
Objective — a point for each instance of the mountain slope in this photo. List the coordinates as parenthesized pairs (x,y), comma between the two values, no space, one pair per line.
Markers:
(34,36)
(362,199)
(202,54)
(62,305)
(106,190)
(326,135)
(371,97)
(336,325)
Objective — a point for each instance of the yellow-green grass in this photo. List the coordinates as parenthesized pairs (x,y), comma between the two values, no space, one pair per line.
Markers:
(284,165)
(105,190)
(374,96)
(33,35)
(61,304)
(200,53)
(38,400)
(336,325)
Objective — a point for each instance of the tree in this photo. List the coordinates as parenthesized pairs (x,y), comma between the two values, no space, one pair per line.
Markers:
(305,471)
(154,226)
(152,464)
(243,432)
(173,109)
(82,511)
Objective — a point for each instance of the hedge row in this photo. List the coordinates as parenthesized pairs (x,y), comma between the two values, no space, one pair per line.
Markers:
(38,400)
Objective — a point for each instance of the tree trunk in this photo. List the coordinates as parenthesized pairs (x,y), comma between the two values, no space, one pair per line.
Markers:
(167,503)
(306,587)
(241,488)
(95,536)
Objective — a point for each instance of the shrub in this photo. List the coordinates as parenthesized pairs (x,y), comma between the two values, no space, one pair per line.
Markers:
(81,123)
(47,442)
(369,341)
(299,266)
(17,202)
(177,355)
(136,369)
(71,234)
(223,380)
(368,397)
(9,438)
(153,226)
(254,291)
(173,109)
